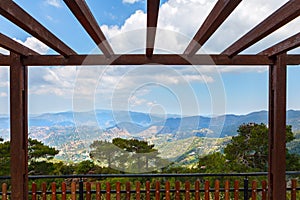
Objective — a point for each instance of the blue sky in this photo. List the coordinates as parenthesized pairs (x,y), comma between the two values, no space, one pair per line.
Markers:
(204,90)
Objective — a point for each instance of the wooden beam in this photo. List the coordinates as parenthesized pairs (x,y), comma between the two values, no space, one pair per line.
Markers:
(282,16)
(4,60)
(83,14)
(277,129)
(21,18)
(216,17)
(293,60)
(282,47)
(139,59)
(152,16)
(14,46)
(18,128)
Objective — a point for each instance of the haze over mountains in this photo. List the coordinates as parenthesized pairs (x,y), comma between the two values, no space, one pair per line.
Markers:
(72,133)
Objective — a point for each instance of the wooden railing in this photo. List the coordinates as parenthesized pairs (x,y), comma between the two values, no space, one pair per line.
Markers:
(156,190)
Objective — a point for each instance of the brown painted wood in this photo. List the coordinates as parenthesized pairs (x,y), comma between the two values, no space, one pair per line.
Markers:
(63,191)
(294,189)
(108,189)
(152,16)
(53,191)
(236,190)
(33,190)
(73,191)
(148,190)
(88,195)
(98,191)
(127,188)
(44,191)
(264,190)
(227,190)
(4,191)
(216,17)
(158,59)
(187,190)
(277,129)
(138,191)
(206,190)
(14,46)
(4,60)
(177,190)
(19,128)
(84,15)
(279,18)
(13,12)
(157,190)
(168,187)
(118,191)
(197,190)
(284,46)
(217,190)
(254,190)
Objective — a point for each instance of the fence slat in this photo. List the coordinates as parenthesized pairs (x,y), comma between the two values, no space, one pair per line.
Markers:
(118,191)
(157,192)
(63,191)
(73,191)
(217,190)
(88,191)
(197,190)
(264,190)
(206,190)
(236,190)
(187,190)
(4,191)
(128,190)
(108,189)
(44,189)
(138,191)
(98,191)
(53,191)
(177,190)
(147,190)
(167,185)
(33,191)
(254,190)
(294,189)
(227,190)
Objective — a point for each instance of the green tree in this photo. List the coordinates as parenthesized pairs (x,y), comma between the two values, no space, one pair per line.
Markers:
(248,151)
(5,157)
(84,167)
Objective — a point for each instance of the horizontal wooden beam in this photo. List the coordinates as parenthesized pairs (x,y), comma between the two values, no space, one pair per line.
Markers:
(14,46)
(139,59)
(279,18)
(152,16)
(21,18)
(284,46)
(216,17)
(83,14)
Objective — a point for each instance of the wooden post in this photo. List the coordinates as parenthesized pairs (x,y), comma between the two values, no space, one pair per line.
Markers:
(294,189)
(53,190)
(197,190)
(167,185)
(187,190)
(18,128)
(98,191)
(236,190)
(108,189)
(33,189)
(88,191)
(63,191)
(128,188)
(206,190)
(254,190)
(227,190)
(118,191)
(157,190)
(217,190)
(73,190)
(264,190)
(138,191)
(4,191)
(177,190)
(277,129)
(147,190)
(44,191)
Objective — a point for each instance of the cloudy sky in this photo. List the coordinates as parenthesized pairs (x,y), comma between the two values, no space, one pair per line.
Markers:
(186,90)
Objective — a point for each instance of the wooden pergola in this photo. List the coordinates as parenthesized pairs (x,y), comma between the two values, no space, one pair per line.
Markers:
(275,57)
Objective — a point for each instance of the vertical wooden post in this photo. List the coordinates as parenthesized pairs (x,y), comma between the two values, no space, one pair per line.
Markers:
(88,191)
(98,191)
(18,128)
(147,190)
(73,190)
(168,196)
(187,190)
(128,188)
(63,191)
(157,190)
(227,190)
(4,191)
(44,191)
(217,190)
(177,190)
(33,189)
(277,129)
(197,190)
(138,191)
(236,190)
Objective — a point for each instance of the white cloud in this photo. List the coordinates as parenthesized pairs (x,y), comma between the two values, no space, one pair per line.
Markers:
(130,1)
(55,3)
(34,44)
(3,51)
(3,94)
